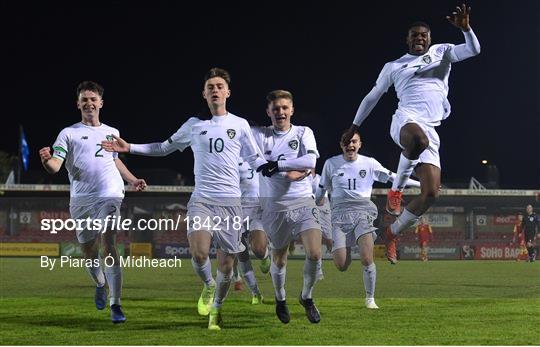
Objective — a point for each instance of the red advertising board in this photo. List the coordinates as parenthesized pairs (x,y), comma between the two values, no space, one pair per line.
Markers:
(495,252)
(504,219)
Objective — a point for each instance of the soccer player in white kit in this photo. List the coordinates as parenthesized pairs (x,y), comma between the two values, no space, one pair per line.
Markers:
(96,190)
(420,78)
(253,233)
(214,209)
(349,178)
(325,218)
(289,208)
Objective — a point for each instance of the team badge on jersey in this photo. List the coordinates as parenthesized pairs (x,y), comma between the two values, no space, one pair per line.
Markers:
(362,173)
(293,144)
(231,133)
(427,59)
(109,137)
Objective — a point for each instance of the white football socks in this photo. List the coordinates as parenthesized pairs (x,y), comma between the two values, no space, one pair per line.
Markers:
(404,221)
(370,277)
(278,279)
(404,171)
(204,271)
(223,283)
(311,268)
(96,273)
(114,280)
(246,269)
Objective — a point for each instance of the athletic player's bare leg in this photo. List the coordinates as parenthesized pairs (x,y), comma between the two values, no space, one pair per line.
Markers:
(342,258)
(259,246)
(199,247)
(224,276)
(259,243)
(246,271)
(90,251)
(430,182)
(113,273)
(414,142)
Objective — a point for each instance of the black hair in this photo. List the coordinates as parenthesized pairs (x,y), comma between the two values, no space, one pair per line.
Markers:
(218,72)
(90,86)
(419,24)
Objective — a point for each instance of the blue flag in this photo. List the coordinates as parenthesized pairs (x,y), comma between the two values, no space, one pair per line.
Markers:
(25,151)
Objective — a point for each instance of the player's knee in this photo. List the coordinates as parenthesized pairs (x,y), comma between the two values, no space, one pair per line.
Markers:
(366,261)
(199,257)
(341,263)
(90,253)
(109,249)
(259,251)
(420,141)
(314,255)
(226,270)
(342,266)
(430,195)
(279,261)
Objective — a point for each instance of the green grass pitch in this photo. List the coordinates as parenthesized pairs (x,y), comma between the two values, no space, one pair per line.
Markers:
(431,303)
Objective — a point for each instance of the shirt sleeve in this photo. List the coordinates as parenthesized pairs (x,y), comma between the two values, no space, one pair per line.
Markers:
(308,154)
(380,173)
(384,81)
(325,183)
(250,151)
(326,176)
(308,144)
(180,140)
(470,48)
(61,146)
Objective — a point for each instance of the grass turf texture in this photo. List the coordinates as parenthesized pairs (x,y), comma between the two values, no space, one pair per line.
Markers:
(433,303)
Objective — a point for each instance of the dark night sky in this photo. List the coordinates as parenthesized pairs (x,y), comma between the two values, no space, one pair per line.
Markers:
(151,59)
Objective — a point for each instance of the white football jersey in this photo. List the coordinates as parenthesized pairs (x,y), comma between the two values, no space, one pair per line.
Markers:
(349,181)
(249,185)
(278,193)
(421,84)
(314,184)
(92,171)
(217,145)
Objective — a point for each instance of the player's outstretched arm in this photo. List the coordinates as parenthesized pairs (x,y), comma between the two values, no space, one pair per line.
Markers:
(52,165)
(156,149)
(460,18)
(471,47)
(138,183)
(118,145)
(384,175)
(410,182)
(384,81)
